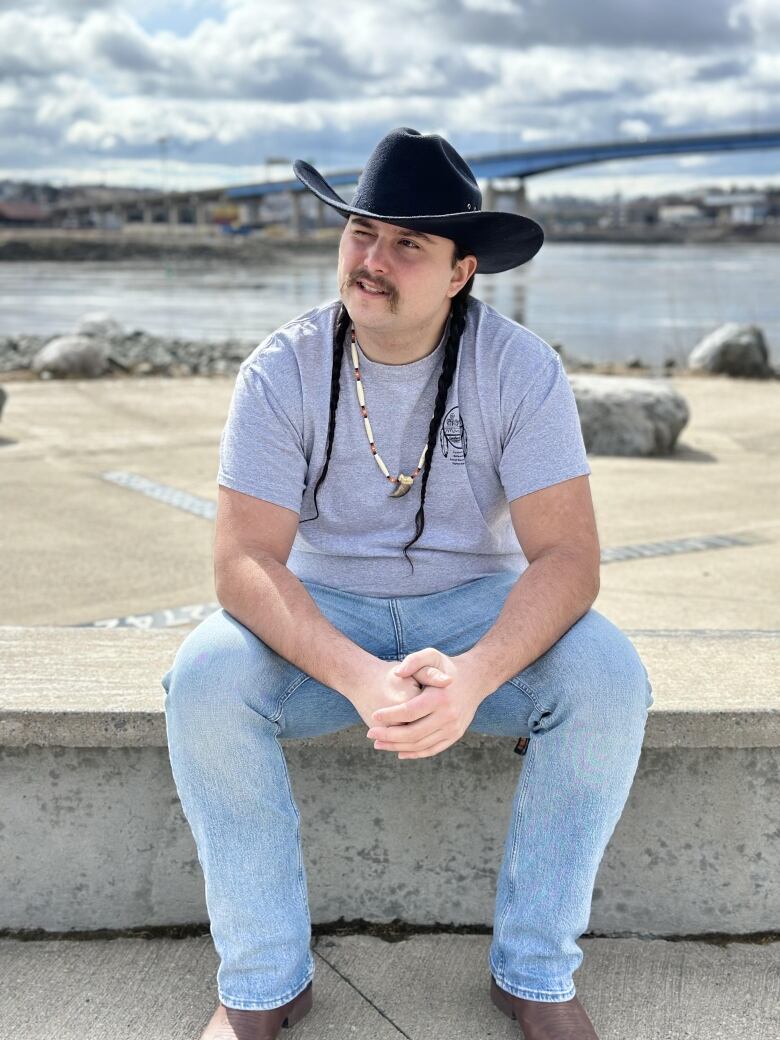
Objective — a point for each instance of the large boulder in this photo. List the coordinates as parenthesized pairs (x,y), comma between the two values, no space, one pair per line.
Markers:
(99,324)
(625,416)
(82,356)
(736,350)
(3,399)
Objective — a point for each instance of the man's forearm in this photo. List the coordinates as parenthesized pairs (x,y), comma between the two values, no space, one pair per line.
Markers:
(546,600)
(269,600)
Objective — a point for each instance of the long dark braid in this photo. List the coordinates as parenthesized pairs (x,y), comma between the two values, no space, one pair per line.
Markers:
(457,324)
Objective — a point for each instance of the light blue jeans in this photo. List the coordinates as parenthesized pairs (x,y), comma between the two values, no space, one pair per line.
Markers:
(229,697)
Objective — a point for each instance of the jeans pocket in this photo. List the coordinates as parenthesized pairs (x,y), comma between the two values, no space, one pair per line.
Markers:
(538,723)
(650,698)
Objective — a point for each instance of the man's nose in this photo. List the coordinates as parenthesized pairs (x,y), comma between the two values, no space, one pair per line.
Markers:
(376,256)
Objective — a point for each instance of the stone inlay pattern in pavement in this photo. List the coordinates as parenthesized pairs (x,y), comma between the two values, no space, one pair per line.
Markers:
(171,496)
(207,509)
(156,619)
(676,545)
(705,633)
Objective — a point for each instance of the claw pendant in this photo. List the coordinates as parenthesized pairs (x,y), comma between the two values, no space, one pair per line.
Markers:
(404,484)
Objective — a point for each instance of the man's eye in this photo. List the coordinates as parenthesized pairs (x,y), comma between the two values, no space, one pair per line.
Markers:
(359,232)
(410,242)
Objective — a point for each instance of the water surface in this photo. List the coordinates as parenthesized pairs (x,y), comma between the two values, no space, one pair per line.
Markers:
(602,301)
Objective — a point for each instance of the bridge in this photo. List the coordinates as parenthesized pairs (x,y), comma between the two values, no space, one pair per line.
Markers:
(242,204)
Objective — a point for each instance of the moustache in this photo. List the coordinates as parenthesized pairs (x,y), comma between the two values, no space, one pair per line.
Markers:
(379,283)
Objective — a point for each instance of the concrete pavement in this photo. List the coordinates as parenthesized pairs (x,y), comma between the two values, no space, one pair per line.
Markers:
(80,548)
(426,987)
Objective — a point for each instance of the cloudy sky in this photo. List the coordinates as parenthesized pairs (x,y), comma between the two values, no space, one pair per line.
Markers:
(207,92)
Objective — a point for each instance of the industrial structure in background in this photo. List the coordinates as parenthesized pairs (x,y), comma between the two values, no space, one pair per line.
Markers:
(282,207)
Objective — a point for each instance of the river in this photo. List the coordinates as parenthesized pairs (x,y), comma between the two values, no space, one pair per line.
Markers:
(601,301)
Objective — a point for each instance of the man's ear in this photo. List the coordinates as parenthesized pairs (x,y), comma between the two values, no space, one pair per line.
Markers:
(467,264)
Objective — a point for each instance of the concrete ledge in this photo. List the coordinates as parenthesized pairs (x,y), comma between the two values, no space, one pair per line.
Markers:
(85,687)
(94,835)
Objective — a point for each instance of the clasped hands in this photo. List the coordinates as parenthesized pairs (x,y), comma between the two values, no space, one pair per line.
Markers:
(451,691)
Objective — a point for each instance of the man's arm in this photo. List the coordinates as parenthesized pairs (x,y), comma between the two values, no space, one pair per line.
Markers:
(252,543)
(556,529)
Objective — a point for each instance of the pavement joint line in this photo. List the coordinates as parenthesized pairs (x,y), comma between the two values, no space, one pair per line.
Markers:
(171,617)
(170,496)
(207,509)
(167,618)
(675,546)
(705,633)
(360,993)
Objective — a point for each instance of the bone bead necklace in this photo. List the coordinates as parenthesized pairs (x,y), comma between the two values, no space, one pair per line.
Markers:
(404,483)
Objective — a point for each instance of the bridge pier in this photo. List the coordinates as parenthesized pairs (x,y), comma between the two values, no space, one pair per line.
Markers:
(297,222)
(519,203)
(320,213)
(250,212)
(519,198)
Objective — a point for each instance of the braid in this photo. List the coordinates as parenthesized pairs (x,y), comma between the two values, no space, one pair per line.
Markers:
(457,324)
(340,335)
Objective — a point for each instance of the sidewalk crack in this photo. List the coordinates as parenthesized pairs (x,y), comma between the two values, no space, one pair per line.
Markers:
(360,993)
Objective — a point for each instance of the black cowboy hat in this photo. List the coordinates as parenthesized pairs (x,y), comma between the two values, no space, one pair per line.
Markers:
(419,181)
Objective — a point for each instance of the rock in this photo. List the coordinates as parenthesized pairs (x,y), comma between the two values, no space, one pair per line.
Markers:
(16,352)
(3,399)
(99,324)
(627,416)
(72,356)
(736,350)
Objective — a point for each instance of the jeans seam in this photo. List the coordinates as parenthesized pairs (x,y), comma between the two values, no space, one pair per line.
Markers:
(250,1005)
(395,615)
(515,824)
(301,881)
(523,687)
(551,996)
(298,681)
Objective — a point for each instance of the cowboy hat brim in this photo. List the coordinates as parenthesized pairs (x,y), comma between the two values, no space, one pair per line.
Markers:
(500,241)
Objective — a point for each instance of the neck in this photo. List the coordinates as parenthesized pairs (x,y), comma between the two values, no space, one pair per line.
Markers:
(402,347)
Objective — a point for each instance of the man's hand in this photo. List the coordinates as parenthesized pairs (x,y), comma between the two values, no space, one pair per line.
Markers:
(440,714)
(378,686)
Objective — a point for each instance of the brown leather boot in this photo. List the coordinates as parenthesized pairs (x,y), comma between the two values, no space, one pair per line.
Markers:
(233,1024)
(543,1020)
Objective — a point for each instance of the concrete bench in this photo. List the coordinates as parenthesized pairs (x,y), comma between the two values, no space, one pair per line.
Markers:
(92,834)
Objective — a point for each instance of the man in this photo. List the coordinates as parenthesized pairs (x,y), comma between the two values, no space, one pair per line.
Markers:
(323,490)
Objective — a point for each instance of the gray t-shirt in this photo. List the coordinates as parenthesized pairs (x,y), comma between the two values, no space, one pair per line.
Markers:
(510,427)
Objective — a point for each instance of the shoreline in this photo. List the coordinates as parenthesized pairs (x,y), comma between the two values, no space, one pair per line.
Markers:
(160,242)
(221,360)
(137,354)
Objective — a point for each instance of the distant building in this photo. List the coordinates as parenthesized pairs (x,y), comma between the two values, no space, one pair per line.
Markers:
(22,214)
(738,208)
(681,213)
(642,212)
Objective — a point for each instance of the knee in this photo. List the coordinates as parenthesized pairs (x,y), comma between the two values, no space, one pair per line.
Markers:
(212,661)
(610,672)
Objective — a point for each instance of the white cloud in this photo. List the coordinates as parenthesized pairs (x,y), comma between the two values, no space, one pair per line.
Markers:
(763,16)
(85,84)
(494,6)
(637,128)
